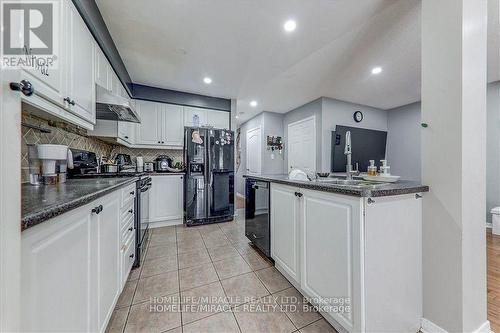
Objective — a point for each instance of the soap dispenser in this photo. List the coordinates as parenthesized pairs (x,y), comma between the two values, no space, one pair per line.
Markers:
(384,168)
(372,169)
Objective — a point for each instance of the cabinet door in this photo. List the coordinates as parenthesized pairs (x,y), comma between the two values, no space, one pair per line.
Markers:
(165,200)
(285,230)
(331,252)
(50,81)
(107,233)
(173,125)
(218,119)
(57,276)
(149,130)
(81,66)
(116,86)
(190,114)
(101,67)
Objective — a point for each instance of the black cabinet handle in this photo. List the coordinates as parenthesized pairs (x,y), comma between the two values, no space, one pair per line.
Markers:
(72,102)
(132,193)
(67,99)
(130,229)
(131,256)
(25,87)
(97,209)
(126,137)
(159,141)
(131,211)
(298,194)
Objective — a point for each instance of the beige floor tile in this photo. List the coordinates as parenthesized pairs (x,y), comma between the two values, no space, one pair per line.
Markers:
(222,252)
(189,245)
(117,321)
(244,288)
(220,323)
(293,304)
(209,229)
(134,274)
(245,247)
(320,326)
(202,302)
(162,239)
(162,251)
(193,258)
(216,241)
(154,317)
(156,286)
(197,276)
(164,230)
(127,294)
(256,261)
(230,267)
(273,280)
(158,266)
(189,237)
(263,316)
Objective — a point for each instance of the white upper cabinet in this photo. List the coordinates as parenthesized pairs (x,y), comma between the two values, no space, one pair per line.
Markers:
(218,119)
(80,80)
(149,130)
(161,124)
(173,127)
(101,68)
(49,81)
(195,116)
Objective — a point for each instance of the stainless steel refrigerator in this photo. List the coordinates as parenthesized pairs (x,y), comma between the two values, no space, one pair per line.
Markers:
(209,181)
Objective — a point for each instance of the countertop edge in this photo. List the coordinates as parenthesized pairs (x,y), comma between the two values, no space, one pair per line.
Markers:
(37,218)
(345,190)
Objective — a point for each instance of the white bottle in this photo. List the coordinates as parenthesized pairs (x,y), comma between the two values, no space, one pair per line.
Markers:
(384,168)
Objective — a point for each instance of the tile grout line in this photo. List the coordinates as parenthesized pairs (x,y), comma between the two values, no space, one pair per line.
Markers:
(179,279)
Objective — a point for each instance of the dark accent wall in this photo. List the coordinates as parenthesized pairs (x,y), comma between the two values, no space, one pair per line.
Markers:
(180,98)
(93,19)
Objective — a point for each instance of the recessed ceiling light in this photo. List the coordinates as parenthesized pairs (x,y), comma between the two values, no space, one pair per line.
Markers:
(377,70)
(207,80)
(290,25)
(253,104)
(237,117)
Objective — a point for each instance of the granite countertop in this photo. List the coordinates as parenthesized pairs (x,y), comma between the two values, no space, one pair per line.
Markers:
(388,189)
(40,203)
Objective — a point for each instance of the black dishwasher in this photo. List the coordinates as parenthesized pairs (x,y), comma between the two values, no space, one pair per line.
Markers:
(257,218)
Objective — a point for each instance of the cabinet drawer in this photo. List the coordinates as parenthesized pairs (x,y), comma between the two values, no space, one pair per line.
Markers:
(126,231)
(128,258)
(127,216)
(128,195)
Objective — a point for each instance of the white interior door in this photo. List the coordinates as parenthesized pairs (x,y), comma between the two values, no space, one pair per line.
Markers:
(302,144)
(254,156)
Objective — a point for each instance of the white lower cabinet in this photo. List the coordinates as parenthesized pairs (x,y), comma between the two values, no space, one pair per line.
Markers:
(285,230)
(352,257)
(72,268)
(166,198)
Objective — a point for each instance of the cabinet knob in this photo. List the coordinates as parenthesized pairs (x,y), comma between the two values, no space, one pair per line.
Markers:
(126,137)
(131,256)
(132,193)
(97,209)
(159,141)
(131,211)
(130,229)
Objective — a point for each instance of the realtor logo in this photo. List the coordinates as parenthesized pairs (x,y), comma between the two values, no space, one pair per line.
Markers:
(29,30)
(30,27)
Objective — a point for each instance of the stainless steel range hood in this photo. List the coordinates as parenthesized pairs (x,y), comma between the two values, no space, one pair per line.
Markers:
(113,107)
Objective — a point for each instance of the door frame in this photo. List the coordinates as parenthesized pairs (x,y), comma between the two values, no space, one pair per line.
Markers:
(10,202)
(260,149)
(313,118)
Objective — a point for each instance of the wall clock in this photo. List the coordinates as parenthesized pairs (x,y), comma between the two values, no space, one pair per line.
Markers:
(358,116)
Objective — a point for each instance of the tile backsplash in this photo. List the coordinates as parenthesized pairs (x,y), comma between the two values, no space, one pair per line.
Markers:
(74,137)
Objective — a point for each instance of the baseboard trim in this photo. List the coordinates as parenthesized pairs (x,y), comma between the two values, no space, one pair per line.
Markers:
(169,223)
(429,327)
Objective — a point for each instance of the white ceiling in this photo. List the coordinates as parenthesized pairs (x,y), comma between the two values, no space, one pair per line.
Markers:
(242,46)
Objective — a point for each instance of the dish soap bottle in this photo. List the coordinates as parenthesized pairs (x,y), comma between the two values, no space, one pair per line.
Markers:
(372,169)
(384,168)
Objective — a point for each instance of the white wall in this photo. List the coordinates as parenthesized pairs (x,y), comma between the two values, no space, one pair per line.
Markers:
(335,112)
(403,141)
(493,149)
(270,124)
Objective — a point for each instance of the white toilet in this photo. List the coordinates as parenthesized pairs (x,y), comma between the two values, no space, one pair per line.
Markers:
(495,219)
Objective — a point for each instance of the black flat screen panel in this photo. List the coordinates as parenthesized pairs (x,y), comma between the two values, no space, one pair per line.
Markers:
(366,145)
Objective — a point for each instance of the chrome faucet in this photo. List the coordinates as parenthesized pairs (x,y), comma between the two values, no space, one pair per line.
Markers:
(348,152)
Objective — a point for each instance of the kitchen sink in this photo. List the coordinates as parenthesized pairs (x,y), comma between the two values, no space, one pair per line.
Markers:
(350,182)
